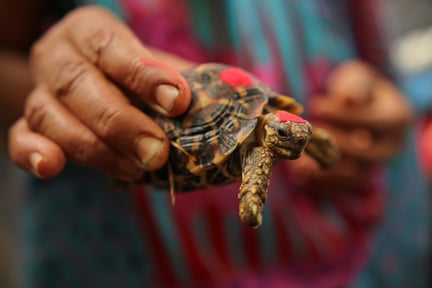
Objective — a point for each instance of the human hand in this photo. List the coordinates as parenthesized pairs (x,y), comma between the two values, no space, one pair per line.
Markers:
(89,70)
(368,117)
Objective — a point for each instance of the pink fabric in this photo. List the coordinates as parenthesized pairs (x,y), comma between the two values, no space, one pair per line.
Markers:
(321,254)
(425,145)
(313,247)
(168,23)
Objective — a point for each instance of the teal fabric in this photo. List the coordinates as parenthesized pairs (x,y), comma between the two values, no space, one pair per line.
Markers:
(76,225)
(402,252)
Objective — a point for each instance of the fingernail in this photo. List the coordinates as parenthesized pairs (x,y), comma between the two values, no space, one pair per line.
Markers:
(146,149)
(35,160)
(166,95)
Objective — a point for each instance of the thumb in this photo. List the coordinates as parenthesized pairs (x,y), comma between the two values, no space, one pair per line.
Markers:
(163,88)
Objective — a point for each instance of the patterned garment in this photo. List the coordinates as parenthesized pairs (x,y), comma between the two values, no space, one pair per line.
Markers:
(414,33)
(79,232)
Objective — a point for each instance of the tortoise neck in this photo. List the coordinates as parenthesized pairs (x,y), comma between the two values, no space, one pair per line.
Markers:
(260,133)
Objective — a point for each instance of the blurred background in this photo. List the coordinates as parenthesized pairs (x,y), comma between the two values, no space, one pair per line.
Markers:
(409,35)
(409,27)
(9,193)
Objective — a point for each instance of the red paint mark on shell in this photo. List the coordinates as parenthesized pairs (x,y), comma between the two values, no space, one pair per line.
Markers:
(285,116)
(236,77)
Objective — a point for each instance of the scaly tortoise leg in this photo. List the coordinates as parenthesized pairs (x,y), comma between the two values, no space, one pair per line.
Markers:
(256,172)
(322,147)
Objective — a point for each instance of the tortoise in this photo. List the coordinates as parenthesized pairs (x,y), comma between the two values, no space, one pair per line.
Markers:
(235,128)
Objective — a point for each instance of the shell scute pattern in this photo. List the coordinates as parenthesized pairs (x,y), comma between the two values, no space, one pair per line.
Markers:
(235,128)
(219,118)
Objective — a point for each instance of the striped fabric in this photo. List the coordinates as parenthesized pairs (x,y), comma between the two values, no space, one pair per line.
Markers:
(81,234)
(200,239)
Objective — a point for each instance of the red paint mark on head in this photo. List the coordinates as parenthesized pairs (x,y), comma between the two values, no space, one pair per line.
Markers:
(236,77)
(285,116)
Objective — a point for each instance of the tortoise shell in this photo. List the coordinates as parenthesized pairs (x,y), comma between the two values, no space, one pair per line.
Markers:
(234,129)
(223,113)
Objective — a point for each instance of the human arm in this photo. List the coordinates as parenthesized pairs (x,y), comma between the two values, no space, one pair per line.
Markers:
(79,107)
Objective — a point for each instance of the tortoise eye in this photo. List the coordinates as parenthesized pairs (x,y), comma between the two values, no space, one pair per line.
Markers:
(205,78)
(283,133)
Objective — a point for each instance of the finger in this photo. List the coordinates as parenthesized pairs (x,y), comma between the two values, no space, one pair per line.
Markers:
(388,110)
(339,180)
(352,82)
(104,109)
(347,175)
(110,45)
(46,116)
(366,145)
(34,152)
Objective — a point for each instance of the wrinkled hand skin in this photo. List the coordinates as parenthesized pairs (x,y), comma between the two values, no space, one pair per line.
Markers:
(368,117)
(77,109)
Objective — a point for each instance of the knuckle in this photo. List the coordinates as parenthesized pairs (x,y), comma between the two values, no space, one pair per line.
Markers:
(98,40)
(107,121)
(37,53)
(94,36)
(69,76)
(37,50)
(36,115)
(14,133)
(83,151)
(131,72)
(87,12)
(42,48)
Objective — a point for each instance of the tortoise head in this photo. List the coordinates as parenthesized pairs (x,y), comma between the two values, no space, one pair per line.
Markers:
(284,133)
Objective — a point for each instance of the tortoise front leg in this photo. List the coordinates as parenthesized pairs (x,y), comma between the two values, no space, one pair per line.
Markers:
(256,171)
(322,148)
